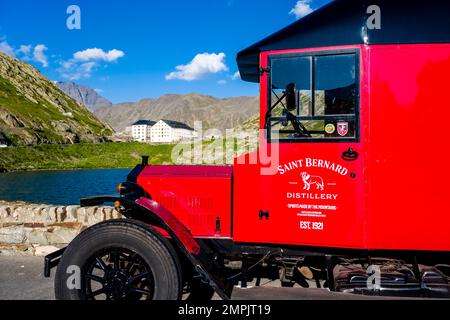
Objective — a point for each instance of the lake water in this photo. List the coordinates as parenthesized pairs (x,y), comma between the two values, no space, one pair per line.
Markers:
(59,187)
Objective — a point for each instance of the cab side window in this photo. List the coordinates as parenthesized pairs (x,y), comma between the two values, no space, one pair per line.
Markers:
(298,72)
(327,98)
(335,85)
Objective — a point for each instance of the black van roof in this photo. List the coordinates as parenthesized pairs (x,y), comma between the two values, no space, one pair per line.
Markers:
(344,22)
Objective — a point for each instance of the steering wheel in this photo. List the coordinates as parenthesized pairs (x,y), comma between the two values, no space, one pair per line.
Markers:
(300,129)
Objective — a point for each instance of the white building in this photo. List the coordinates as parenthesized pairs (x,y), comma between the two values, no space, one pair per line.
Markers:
(163,131)
(141,130)
(168,131)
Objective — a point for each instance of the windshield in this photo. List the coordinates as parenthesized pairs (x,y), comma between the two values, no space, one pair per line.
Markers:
(326,97)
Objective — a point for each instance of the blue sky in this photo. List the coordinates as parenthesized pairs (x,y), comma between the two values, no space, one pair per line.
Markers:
(129,50)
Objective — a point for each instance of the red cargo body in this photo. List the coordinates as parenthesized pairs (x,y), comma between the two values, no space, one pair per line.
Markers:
(198,196)
(408,158)
(394,196)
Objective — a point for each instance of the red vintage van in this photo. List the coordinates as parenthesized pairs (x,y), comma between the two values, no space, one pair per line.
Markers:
(353,197)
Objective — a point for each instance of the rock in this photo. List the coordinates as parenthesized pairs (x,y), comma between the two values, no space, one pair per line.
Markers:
(72,214)
(37,236)
(4,213)
(117,215)
(111,213)
(4,140)
(39,214)
(85,95)
(15,250)
(10,224)
(92,215)
(82,215)
(15,214)
(23,214)
(61,126)
(108,213)
(12,234)
(67,225)
(25,226)
(61,214)
(44,250)
(99,215)
(10,120)
(34,225)
(51,214)
(60,235)
(16,247)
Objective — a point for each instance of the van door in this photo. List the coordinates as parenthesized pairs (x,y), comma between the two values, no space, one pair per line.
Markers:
(313,116)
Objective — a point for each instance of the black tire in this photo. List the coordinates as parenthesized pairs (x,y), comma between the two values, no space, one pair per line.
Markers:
(122,252)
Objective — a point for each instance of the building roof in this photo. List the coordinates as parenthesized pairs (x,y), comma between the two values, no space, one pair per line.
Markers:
(143,123)
(344,22)
(177,125)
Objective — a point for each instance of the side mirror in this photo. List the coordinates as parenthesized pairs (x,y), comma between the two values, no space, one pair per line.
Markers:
(291,97)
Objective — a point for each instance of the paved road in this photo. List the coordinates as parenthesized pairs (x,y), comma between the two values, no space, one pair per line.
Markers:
(21,278)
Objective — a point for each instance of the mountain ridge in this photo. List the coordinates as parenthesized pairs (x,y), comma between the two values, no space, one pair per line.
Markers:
(85,95)
(220,113)
(33,110)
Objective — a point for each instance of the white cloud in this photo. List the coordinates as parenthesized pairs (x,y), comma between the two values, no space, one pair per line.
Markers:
(85,62)
(6,48)
(99,90)
(236,75)
(87,67)
(302,8)
(25,50)
(39,55)
(98,54)
(222,82)
(202,65)
(72,70)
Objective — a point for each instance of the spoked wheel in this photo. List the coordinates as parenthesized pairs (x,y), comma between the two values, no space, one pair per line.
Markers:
(118,274)
(119,260)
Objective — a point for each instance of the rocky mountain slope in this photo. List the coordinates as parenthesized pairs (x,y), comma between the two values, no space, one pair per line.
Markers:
(34,111)
(214,113)
(84,95)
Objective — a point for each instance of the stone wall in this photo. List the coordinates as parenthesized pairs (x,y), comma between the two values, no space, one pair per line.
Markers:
(41,229)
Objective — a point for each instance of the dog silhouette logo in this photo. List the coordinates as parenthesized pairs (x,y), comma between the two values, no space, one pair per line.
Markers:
(309,180)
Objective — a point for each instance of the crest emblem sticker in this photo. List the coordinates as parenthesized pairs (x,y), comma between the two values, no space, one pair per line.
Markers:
(330,128)
(342,128)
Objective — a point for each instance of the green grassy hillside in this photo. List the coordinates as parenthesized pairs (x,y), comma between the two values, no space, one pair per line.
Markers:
(34,111)
(82,156)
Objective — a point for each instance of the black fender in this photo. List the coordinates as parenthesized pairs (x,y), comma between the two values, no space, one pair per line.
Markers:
(150,212)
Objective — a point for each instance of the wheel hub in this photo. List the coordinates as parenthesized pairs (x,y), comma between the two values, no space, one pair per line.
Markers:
(125,275)
(118,283)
